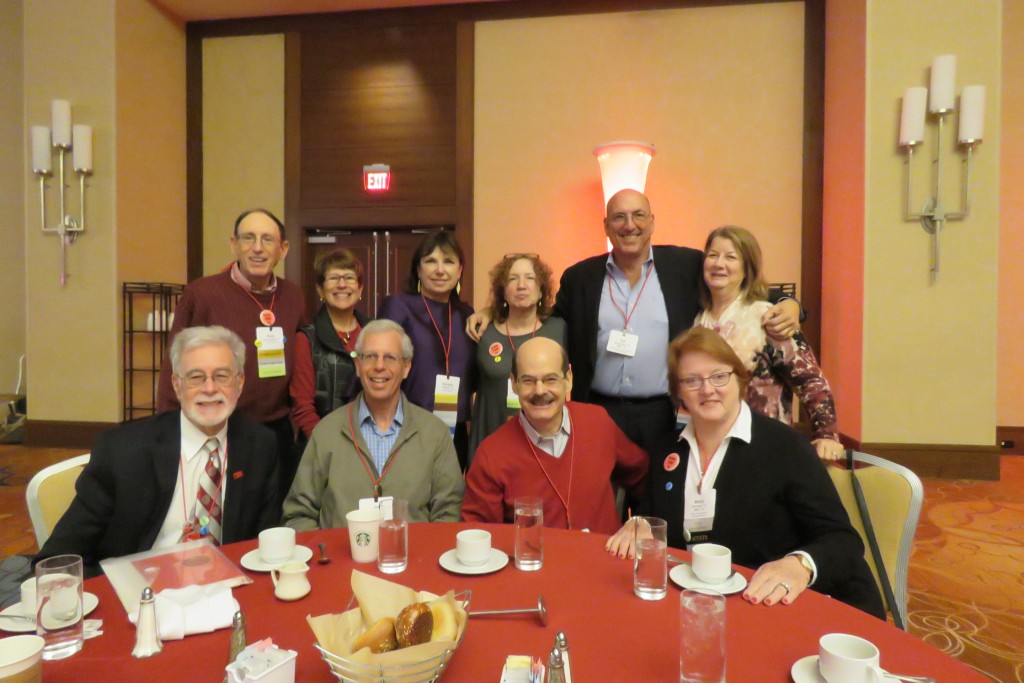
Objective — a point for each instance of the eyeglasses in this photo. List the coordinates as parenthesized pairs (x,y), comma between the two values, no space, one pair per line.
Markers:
(718,379)
(248,239)
(549,381)
(372,358)
(333,280)
(222,378)
(620,219)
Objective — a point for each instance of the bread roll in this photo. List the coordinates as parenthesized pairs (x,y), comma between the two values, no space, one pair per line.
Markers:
(446,626)
(379,638)
(414,625)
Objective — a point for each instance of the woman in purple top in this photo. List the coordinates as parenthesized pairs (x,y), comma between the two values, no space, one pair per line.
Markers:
(435,319)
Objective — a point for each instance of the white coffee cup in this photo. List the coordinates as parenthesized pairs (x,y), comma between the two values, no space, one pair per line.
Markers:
(712,563)
(21,658)
(28,597)
(843,658)
(364,534)
(277,545)
(473,547)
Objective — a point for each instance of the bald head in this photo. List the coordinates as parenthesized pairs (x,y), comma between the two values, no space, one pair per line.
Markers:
(627,197)
(629,225)
(547,351)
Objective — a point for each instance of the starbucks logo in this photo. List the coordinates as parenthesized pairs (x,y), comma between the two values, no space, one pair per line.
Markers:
(362,539)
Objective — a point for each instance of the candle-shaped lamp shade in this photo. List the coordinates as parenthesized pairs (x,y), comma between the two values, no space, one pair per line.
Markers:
(61,111)
(623,165)
(81,150)
(972,114)
(41,162)
(912,118)
(943,90)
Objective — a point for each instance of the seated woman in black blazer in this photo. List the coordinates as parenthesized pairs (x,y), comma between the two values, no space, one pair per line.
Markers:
(768,497)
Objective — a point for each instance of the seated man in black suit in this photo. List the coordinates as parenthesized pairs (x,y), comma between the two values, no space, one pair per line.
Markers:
(178,475)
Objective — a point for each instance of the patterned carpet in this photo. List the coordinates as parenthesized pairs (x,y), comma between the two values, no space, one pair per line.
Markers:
(966,580)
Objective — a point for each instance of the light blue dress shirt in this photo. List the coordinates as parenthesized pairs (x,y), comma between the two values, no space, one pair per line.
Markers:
(646,373)
(380,443)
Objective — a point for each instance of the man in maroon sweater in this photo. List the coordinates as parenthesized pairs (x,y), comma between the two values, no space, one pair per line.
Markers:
(266,312)
(567,454)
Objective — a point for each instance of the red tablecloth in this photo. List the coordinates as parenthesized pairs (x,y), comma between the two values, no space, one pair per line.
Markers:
(613,635)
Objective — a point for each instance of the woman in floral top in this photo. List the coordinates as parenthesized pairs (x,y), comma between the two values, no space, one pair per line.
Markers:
(734,296)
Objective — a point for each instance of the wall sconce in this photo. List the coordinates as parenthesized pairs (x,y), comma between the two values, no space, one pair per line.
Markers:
(64,137)
(940,103)
(623,165)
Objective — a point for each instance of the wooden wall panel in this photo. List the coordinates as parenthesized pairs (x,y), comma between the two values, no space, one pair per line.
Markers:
(379,95)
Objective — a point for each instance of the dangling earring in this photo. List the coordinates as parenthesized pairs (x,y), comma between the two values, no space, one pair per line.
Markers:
(458,288)
(417,286)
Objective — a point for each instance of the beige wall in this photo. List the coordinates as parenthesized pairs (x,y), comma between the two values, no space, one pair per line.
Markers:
(105,56)
(929,347)
(717,90)
(150,144)
(1010,411)
(243,137)
(14,175)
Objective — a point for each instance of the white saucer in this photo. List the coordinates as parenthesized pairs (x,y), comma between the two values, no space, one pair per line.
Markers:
(806,670)
(251,560)
(450,561)
(682,575)
(89,603)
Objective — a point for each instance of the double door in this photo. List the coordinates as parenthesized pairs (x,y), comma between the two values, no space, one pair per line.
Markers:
(386,255)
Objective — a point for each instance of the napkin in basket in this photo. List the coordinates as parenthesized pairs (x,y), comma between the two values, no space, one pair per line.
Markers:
(380,598)
(185,611)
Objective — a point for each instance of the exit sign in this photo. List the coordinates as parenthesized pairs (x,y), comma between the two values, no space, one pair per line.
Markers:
(377,178)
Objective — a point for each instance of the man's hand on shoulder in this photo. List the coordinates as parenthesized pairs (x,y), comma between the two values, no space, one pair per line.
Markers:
(782,320)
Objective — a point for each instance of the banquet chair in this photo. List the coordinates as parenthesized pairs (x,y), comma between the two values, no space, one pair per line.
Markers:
(885,513)
(50,492)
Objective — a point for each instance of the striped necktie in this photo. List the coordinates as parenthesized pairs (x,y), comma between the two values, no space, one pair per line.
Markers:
(208,510)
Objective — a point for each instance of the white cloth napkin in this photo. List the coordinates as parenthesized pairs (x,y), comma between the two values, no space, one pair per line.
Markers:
(182,612)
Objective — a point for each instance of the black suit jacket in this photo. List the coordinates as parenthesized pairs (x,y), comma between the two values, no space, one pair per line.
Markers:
(122,496)
(773,496)
(679,269)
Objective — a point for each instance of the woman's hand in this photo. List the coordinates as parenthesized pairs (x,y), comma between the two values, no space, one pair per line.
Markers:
(779,581)
(623,542)
(829,450)
(782,320)
(477,323)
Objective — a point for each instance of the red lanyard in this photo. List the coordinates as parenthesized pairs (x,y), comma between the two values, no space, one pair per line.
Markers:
(700,484)
(447,349)
(572,447)
(532,335)
(273,298)
(376,481)
(640,294)
(216,497)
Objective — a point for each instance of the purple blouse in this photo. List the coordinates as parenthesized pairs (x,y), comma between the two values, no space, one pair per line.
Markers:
(428,358)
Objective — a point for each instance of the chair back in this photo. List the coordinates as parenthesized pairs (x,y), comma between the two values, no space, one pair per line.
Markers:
(893,496)
(50,492)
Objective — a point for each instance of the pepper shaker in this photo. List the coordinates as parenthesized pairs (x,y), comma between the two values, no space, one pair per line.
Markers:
(147,635)
(239,641)
(556,669)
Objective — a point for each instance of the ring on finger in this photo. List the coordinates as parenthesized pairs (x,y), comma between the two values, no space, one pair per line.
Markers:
(785,585)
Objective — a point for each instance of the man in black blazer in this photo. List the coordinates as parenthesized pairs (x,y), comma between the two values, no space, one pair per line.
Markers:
(142,486)
(657,289)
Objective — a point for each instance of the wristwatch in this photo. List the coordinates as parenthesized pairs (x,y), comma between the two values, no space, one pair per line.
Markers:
(806,565)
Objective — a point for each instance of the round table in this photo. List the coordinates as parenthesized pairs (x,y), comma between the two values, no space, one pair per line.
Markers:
(613,635)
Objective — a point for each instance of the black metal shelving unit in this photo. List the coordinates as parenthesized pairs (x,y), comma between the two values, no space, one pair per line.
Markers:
(147,315)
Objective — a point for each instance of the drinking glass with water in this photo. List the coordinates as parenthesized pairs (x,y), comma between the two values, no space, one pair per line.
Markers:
(650,566)
(59,605)
(529,519)
(393,538)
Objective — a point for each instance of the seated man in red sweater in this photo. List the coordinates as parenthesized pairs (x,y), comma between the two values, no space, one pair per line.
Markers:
(568,454)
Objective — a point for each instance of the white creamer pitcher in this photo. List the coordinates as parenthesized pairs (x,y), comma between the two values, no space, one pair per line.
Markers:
(290,582)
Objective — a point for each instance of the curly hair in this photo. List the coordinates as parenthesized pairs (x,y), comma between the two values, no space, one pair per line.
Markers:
(499,278)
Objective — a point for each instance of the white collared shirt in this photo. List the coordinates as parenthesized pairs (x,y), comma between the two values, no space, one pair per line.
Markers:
(194,460)
(552,445)
(740,430)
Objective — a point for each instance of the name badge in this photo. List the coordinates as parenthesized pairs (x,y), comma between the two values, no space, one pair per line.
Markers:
(385,504)
(270,352)
(699,510)
(623,343)
(446,400)
(511,399)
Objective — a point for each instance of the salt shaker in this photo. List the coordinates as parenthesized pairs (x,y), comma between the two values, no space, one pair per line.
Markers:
(556,669)
(147,635)
(562,643)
